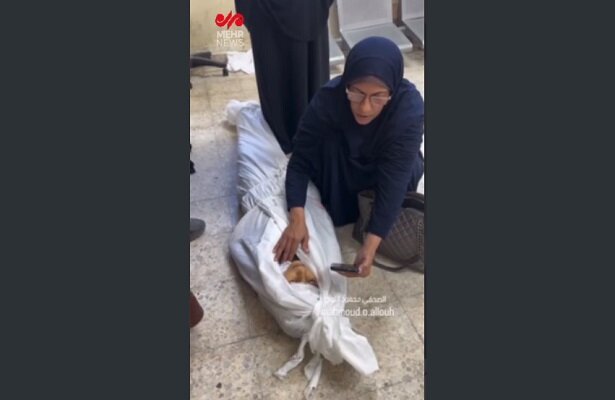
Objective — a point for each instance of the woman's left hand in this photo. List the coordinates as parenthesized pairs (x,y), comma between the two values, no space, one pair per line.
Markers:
(365,257)
(364,260)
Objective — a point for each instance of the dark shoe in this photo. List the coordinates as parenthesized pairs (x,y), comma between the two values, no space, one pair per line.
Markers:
(192,170)
(196,311)
(197,227)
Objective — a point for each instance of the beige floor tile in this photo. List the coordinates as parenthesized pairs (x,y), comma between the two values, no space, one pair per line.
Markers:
(415,309)
(220,101)
(220,214)
(226,146)
(210,260)
(397,345)
(413,390)
(225,373)
(215,177)
(213,182)
(406,282)
(249,87)
(200,128)
(225,319)
(204,148)
(342,382)
(198,92)
(220,85)
(199,95)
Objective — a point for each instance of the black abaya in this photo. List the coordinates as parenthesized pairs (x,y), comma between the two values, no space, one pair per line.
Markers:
(290,46)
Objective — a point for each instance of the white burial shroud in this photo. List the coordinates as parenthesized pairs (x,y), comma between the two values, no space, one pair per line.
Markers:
(303,311)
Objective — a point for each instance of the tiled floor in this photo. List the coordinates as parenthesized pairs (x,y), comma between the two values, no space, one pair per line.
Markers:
(237,346)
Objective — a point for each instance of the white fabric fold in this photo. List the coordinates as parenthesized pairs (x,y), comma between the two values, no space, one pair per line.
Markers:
(292,363)
(240,61)
(312,372)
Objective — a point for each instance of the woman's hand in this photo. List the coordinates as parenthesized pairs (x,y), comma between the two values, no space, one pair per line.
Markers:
(295,234)
(365,257)
(364,260)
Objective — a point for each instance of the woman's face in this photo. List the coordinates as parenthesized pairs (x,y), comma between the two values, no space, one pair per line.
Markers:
(367,99)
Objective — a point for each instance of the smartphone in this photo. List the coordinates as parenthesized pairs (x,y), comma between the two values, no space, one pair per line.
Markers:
(344,268)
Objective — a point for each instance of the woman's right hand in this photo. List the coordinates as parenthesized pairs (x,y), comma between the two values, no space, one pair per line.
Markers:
(295,234)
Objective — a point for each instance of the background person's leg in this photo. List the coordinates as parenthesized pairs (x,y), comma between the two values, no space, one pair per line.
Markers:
(273,79)
(309,70)
(319,71)
(288,74)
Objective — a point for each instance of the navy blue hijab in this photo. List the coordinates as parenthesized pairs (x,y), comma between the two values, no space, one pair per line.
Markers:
(375,56)
(382,152)
(380,58)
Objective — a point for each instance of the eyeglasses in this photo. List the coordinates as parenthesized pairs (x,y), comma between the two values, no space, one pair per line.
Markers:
(377,101)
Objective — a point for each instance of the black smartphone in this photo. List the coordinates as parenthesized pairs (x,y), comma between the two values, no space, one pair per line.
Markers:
(344,268)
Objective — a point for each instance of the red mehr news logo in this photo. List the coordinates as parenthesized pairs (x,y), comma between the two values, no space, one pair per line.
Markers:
(229,38)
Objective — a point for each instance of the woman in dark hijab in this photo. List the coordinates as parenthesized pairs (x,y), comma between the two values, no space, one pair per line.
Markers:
(290,45)
(362,130)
